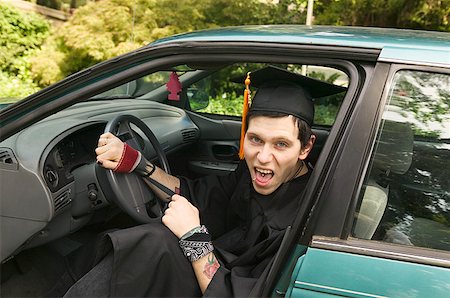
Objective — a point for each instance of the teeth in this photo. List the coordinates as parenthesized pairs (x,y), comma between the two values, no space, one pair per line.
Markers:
(264,172)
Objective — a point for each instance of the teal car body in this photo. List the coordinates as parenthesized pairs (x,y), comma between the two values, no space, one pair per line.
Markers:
(365,229)
(395,45)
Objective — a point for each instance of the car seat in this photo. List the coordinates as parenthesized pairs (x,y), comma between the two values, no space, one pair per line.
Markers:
(393,154)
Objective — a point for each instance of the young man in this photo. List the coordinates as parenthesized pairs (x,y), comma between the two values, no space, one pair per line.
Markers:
(220,234)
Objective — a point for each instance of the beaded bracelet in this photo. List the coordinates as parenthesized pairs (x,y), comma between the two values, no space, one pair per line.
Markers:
(196,245)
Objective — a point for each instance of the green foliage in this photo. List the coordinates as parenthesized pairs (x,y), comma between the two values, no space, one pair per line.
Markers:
(424,100)
(431,15)
(325,114)
(104,29)
(21,35)
(232,106)
(61,4)
(55,4)
(13,88)
(413,14)
(45,65)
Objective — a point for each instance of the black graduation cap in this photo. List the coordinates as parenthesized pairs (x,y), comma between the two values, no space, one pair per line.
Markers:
(286,92)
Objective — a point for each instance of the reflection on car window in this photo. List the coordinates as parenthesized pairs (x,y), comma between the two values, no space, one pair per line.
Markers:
(406,195)
(137,87)
(226,97)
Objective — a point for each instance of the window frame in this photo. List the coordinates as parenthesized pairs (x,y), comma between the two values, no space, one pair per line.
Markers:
(339,238)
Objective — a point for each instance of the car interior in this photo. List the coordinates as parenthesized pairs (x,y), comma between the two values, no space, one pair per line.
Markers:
(61,200)
(58,203)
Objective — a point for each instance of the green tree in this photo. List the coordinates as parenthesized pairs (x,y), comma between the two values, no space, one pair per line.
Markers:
(104,29)
(413,14)
(55,4)
(21,35)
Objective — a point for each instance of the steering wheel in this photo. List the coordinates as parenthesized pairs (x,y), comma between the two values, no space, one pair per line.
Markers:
(129,191)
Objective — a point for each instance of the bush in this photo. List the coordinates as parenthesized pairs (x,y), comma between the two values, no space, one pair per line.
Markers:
(21,35)
(231,106)
(12,88)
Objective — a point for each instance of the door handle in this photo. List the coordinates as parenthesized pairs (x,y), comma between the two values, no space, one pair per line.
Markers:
(225,152)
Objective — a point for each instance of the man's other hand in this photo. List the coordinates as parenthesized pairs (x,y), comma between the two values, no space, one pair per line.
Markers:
(181,216)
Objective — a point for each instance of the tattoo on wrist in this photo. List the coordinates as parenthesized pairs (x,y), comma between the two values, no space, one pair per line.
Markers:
(211,266)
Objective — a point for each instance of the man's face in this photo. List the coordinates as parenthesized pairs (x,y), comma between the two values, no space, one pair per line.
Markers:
(273,151)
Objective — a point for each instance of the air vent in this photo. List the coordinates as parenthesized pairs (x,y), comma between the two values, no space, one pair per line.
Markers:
(189,135)
(62,200)
(7,159)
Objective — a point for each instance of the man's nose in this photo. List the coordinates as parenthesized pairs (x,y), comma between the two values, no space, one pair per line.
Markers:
(265,154)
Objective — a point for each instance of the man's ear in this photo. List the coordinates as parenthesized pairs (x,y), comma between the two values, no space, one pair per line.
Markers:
(307,148)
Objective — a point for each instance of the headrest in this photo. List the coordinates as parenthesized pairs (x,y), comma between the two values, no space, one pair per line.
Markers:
(394,149)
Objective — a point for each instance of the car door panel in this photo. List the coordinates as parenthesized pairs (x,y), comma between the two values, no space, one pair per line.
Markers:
(216,153)
(326,273)
(214,157)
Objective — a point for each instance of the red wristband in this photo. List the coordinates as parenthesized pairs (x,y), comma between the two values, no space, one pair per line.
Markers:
(128,161)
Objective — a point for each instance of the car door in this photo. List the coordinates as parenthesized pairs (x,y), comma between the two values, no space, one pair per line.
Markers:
(381,225)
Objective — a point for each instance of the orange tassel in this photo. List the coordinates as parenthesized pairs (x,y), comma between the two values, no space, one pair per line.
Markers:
(244,115)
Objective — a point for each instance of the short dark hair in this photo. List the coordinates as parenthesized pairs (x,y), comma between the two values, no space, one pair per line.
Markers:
(304,130)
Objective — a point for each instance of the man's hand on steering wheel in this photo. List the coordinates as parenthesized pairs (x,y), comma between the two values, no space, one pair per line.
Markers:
(109,151)
(121,150)
(180,217)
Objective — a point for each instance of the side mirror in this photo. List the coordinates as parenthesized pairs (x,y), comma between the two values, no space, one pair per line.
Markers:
(198,99)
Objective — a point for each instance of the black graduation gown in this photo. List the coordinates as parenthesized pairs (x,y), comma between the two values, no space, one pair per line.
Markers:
(247,230)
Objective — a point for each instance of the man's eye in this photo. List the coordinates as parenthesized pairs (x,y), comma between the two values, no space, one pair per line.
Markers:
(255,139)
(282,144)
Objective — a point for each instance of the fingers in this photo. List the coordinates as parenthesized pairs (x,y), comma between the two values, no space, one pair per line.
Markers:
(176,202)
(107,164)
(113,148)
(108,135)
(109,150)
(181,216)
(177,197)
(107,138)
(180,206)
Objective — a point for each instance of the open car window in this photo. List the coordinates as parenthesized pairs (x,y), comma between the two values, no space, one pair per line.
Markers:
(214,92)
(226,97)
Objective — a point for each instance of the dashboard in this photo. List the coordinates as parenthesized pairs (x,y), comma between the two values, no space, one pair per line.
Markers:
(52,188)
(75,150)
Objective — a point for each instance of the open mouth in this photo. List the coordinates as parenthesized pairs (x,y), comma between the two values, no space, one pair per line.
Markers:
(263,176)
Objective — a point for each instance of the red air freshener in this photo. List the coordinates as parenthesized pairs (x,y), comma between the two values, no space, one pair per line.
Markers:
(174,87)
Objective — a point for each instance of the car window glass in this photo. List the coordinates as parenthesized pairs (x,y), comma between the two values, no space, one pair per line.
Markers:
(137,87)
(226,97)
(405,198)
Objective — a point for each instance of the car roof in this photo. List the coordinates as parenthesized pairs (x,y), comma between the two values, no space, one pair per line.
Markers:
(398,45)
